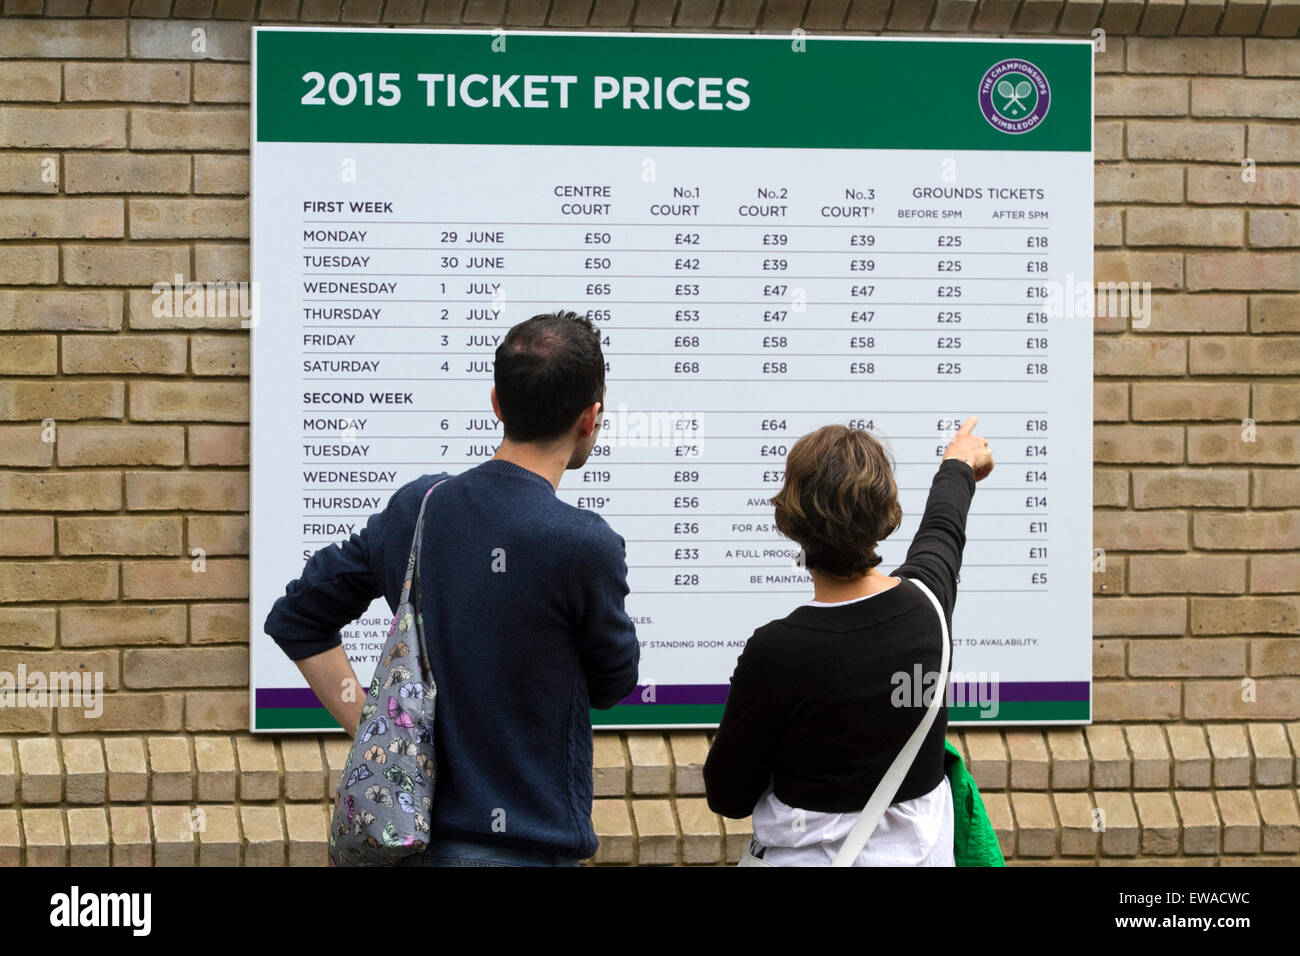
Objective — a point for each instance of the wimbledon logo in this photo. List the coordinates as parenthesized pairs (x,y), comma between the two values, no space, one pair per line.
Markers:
(1014,96)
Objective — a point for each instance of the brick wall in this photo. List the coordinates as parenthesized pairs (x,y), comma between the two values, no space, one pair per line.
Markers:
(124,161)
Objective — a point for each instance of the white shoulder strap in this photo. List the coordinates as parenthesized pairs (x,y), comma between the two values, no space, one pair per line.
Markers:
(893,778)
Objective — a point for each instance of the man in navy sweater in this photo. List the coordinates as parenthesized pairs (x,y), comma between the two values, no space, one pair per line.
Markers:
(522,598)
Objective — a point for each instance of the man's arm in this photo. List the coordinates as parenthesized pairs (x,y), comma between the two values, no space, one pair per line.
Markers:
(607,638)
(331,677)
(337,586)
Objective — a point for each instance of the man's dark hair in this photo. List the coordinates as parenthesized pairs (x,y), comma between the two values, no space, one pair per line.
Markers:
(548,369)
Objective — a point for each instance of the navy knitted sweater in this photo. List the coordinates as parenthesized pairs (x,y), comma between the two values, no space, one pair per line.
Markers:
(523,612)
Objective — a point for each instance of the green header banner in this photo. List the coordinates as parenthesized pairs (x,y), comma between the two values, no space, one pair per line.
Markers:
(614,89)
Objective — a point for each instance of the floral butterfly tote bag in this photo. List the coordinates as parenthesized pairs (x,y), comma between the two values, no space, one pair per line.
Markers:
(382,809)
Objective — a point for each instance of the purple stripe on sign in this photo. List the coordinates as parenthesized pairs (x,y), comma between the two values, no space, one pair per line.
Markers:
(286,697)
(678,694)
(663,694)
(1009,691)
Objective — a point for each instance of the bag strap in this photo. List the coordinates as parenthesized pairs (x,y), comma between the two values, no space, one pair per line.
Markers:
(412,582)
(893,778)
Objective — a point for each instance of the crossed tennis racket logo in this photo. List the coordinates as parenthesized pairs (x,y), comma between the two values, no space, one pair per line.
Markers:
(1014,94)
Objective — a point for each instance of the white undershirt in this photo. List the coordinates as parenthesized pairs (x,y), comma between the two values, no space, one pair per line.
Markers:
(850,600)
(917,832)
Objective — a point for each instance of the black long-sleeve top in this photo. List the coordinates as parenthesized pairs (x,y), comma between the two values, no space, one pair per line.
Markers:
(811,710)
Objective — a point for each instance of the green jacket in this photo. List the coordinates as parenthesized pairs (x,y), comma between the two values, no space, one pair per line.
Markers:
(974,843)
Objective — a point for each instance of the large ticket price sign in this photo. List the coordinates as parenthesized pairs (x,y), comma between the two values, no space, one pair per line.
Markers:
(772,234)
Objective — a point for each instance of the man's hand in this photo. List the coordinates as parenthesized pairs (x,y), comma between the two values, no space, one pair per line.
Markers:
(970,448)
(331,676)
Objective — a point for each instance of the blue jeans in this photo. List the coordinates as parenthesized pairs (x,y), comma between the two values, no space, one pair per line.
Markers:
(443,851)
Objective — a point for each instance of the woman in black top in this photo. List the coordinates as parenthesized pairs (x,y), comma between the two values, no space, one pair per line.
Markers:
(821,701)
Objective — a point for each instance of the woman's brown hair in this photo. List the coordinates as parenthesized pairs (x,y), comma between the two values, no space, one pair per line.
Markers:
(839,500)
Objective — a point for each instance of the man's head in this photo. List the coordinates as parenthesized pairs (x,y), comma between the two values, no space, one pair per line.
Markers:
(550,383)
